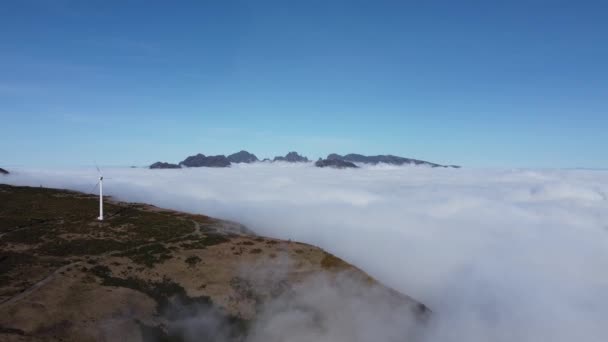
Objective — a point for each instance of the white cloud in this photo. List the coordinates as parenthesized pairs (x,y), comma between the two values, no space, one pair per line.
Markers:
(499,255)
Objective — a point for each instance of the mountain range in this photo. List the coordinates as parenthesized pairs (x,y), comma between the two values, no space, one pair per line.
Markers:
(333,160)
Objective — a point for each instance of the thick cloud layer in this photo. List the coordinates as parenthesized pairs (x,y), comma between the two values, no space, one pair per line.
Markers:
(498,255)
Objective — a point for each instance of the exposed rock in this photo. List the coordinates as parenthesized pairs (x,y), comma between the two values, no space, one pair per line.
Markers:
(217,161)
(387,159)
(3,171)
(335,163)
(292,157)
(242,157)
(163,165)
(194,161)
(200,160)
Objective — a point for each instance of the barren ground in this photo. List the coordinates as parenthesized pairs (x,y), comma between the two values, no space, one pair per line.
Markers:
(65,276)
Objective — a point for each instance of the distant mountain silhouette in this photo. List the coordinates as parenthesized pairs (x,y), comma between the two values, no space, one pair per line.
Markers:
(242,157)
(333,160)
(200,160)
(335,163)
(163,165)
(387,159)
(292,157)
(3,171)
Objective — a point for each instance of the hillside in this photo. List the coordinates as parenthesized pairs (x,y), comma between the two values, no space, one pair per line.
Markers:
(384,159)
(145,274)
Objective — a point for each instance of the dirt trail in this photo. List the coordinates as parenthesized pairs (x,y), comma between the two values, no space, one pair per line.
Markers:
(198,232)
(37,285)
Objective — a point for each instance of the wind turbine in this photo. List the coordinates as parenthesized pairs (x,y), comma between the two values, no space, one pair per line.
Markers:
(100,183)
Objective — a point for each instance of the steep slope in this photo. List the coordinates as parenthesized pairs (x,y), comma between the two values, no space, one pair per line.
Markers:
(291,157)
(387,159)
(200,160)
(148,274)
(242,157)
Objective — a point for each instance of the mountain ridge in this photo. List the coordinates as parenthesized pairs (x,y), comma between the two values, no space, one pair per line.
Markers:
(200,160)
(332,160)
(242,157)
(291,157)
(383,158)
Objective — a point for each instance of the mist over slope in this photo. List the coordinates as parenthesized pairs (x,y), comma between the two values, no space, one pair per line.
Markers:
(498,255)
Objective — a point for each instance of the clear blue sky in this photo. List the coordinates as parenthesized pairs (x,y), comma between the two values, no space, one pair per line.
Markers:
(477,83)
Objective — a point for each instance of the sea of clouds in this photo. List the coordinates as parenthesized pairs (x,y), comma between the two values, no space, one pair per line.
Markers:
(498,255)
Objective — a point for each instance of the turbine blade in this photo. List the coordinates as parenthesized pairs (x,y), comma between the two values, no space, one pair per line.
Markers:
(94,187)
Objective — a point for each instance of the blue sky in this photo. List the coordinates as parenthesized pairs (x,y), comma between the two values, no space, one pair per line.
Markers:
(476,83)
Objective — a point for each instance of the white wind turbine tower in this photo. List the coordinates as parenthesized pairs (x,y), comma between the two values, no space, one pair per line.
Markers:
(100,183)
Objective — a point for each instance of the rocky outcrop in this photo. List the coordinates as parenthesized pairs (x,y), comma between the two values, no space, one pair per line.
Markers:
(335,163)
(3,171)
(243,157)
(163,165)
(292,157)
(200,160)
(386,159)
(194,161)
